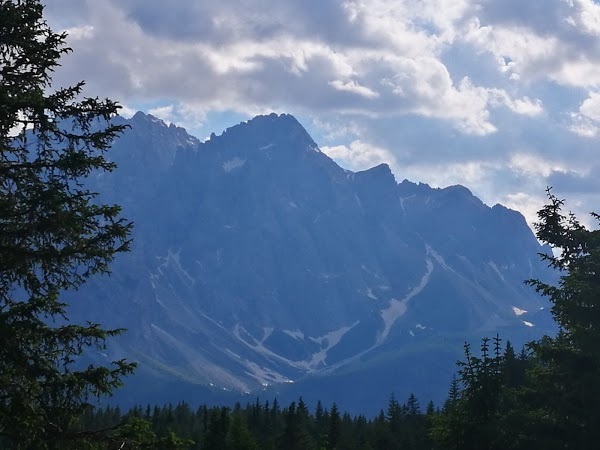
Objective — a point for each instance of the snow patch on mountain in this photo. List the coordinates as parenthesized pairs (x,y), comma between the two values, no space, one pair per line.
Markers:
(402,199)
(495,269)
(296,334)
(232,164)
(370,294)
(370,272)
(258,345)
(263,375)
(358,202)
(235,355)
(397,307)
(438,258)
(172,261)
(518,311)
(329,340)
(268,331)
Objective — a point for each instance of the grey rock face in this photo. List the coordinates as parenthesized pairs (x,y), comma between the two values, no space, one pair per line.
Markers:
(257,260)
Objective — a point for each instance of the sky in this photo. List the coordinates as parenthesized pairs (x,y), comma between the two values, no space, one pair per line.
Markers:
(501,96)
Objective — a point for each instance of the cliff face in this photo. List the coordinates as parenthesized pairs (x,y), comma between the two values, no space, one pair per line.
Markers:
(257,260)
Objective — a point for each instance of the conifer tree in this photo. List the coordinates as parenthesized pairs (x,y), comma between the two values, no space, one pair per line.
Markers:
(470,415)
(218,429)
(412,405)
(430,410)
(567,393)
(239,436)
(320,428)
(334,432)
(54,234)
(453,395)
(548,396)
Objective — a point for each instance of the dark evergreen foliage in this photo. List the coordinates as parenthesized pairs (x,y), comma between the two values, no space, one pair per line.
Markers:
(248,427)
(548,396)
(565,400)
(54,235)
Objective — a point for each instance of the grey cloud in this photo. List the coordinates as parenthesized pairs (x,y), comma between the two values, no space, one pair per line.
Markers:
(65,13)
(551,19)
(249,55)
(257,19)
(545,17)
(573,183)
(437,142)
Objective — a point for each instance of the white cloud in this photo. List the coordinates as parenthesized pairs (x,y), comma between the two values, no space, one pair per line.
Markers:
(586,16)
(336,130)
(446,16)
(83,32)
(530,54)
(584,127)
(526,204)
(498,95)
(591,106)
(586,122)
(360,155)
(164,113)
(532,164)
(126,111)
(287,69)
(582,73)
(473,174)
(524,106)
(354,87)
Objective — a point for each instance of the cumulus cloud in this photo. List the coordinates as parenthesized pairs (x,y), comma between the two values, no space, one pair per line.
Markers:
(534,165)
(524,105)
(500,95)
(585,15)
(354,87)
(467,173)
(126,111)
(163,112)
(586,121)
(591,106)
(360,156)
(527,204)
(236,62)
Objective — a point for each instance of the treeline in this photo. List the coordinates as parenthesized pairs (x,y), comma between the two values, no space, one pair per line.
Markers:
(499,400)
(469,418)
(267,425)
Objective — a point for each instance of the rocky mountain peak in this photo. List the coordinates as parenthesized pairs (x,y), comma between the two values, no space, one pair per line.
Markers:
(257,261)
(267,132)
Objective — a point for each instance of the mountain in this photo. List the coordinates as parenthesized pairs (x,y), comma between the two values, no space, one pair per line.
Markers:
(260,264)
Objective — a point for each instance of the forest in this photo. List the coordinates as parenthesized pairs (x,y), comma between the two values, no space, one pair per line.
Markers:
(269,425)
(497,400)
